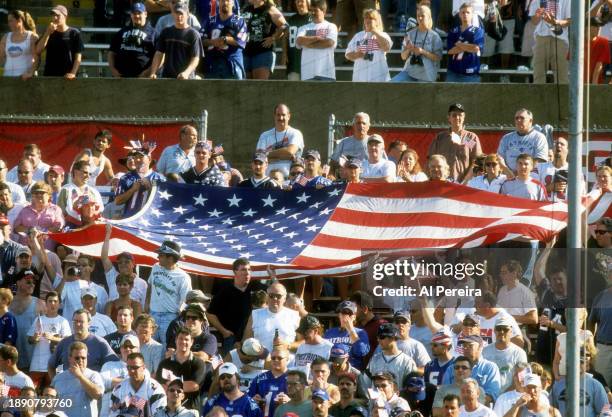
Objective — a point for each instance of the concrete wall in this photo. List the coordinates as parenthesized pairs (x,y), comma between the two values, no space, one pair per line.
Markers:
(239,111)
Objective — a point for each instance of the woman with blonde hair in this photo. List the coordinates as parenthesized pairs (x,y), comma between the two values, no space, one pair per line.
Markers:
(408,167)
(422,50)
(368,49)
(18,47)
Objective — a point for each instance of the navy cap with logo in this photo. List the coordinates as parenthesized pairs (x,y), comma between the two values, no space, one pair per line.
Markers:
(359,412)
(320,394)
(415,388)
(456,107)
(339,350)
(138,8)
(388,330)
(169,247)
(347,305)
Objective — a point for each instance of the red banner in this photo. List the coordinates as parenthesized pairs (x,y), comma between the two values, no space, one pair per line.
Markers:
(61,142)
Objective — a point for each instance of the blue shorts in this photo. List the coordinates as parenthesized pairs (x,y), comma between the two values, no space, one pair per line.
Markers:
(262,60)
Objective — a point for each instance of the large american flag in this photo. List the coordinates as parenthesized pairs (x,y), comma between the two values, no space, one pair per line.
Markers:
(317,231)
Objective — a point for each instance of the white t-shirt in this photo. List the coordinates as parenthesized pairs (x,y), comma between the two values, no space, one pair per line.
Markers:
(19,380)
(376,69)
(487,326)
(42,350)
(272,139)
(318,62)
(505,401)
(306,353)
(169,289)
(265,323)
(101,325)
(71,297)
(543,28)
(138,293)
(517,301)
(381,169)
(481,411)
(481,183)
(247,372)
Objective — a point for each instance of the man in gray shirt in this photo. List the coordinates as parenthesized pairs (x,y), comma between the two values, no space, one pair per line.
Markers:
(79,384)
(355,146)
(525,139)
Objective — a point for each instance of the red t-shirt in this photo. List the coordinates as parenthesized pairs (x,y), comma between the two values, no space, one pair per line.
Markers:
(600,52)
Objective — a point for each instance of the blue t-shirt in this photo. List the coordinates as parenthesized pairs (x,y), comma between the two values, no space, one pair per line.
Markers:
(465,63)
(359,349)
(486,373)
(69,387)
(592,396)
(267,386)
(8,328)
(135,203)
(434,372)
(243,406)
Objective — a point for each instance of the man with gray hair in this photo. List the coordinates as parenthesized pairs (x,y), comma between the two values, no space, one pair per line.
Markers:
(525,139)
(469,397)
(354,146)
(265,324)
(376,168)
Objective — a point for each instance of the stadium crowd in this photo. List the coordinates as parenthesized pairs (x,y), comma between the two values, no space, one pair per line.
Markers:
(87,337)
(228,40)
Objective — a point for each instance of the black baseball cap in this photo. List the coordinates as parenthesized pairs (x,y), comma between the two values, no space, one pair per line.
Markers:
(456,107)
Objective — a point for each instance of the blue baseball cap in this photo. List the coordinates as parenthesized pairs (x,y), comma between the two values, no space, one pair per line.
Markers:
(138,8)
(415,388)
(339,350)
(321,394)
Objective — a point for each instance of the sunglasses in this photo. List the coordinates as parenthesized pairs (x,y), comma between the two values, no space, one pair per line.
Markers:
(600,232)
(134,367)
(275,296)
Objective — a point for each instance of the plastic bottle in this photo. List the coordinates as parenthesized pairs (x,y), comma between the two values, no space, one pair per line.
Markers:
(403,23)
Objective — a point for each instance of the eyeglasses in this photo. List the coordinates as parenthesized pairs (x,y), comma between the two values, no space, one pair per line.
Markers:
(519,118)
(134,367)
(600,232)
(176,390)
(275,296)
(225,376)
(277,358)
(461,367)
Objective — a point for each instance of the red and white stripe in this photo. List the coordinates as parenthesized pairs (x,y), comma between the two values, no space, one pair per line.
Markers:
(372,217)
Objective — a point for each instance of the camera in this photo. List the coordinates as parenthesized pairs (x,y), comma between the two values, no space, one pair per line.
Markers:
(369,56)
(557,30)
(560,176)
(416,60)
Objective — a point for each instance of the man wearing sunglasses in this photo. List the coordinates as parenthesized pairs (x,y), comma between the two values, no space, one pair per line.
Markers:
(175,408)
(265,323)
(231,399)
(505,354)
(138,394)
(461,370)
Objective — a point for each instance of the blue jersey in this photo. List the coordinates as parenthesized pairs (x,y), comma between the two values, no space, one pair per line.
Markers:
(465,63)
(302,182)
(242,407)
(359,349)
(434,372)
(234,26)
(268,387)
(8,328)
(139,198)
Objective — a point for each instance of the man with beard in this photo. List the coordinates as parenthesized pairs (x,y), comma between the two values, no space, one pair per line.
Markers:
(224,36)
(231,399)
(294,401)
(133,47)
